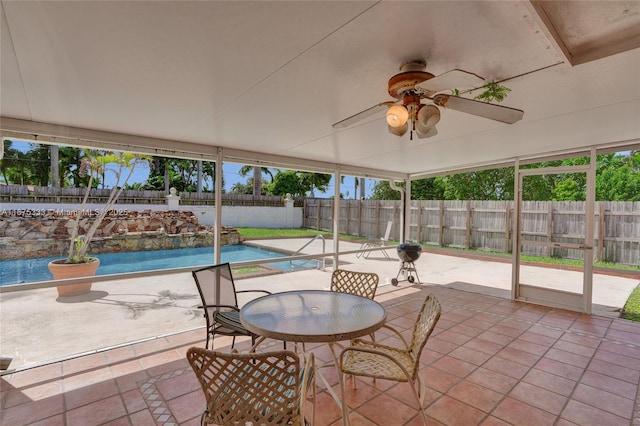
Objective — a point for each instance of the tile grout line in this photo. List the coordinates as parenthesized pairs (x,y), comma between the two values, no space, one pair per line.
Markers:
(157,405)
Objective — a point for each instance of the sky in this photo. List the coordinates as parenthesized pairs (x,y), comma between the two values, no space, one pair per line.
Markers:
(232,176)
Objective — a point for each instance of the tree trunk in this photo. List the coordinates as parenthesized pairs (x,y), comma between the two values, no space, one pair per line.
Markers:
(257,181)
(54,155)
(199,182)
(166,175)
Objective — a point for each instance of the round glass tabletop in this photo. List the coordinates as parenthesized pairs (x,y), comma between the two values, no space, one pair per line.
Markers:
(312,316)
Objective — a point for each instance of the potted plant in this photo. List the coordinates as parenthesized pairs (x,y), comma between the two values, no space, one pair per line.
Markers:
(86,222)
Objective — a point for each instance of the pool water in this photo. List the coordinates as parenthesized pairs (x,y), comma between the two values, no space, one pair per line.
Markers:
(31,270)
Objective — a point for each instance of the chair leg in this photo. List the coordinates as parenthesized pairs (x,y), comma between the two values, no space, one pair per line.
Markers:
(345,407)
(419,395)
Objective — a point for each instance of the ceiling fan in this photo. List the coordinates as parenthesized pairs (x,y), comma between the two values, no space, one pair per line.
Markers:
(413,84)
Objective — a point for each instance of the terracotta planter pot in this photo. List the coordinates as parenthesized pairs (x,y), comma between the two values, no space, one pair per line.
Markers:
(61,270)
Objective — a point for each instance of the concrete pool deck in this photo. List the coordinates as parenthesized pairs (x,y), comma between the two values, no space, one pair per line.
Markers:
(37,327)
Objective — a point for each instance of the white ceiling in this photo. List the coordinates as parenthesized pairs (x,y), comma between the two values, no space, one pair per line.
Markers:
(272,77)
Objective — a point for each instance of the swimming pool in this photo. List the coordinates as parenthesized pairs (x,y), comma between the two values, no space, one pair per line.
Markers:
(31,270)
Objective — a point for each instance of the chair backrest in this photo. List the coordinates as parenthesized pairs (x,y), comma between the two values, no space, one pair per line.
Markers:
(426,322)
(262,388)
(216,287)
(359,283)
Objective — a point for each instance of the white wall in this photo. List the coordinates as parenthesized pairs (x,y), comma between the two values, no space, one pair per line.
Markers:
(236,216)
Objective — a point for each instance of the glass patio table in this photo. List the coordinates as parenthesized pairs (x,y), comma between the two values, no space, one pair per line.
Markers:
(307,316)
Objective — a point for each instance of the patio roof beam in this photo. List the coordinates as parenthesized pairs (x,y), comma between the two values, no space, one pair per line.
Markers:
(607,148)
(276,161)
(80,137)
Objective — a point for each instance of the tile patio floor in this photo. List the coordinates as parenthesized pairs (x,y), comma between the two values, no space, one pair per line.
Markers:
(490,361)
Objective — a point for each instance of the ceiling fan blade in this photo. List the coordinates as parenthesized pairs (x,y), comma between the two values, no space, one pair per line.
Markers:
(362,115)
(481,109)
(454,79)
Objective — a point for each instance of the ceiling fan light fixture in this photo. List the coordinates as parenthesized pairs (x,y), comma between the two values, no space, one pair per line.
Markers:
(428,117)
(397,116)
(400,130)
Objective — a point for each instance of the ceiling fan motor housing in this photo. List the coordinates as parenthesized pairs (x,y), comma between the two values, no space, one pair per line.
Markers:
(405,82)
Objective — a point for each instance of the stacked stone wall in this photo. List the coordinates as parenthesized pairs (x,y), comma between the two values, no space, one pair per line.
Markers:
(34,234)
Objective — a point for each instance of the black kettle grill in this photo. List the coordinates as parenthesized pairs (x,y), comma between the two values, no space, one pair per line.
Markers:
(408,253)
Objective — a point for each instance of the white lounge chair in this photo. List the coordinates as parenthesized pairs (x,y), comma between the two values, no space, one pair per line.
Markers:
(380,242)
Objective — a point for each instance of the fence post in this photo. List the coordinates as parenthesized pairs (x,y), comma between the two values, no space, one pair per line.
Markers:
(441,230)
(468,234)
(319,210)
(348,216)
(419,225)
(550,227)
(601,212)
(359,217)
(377,233)
(332,214)
(507,227)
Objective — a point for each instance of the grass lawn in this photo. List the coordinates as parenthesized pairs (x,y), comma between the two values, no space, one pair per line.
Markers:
(250,233)
(631,310)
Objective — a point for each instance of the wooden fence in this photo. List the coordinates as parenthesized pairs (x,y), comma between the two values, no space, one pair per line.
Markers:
(45,194)
(488,225)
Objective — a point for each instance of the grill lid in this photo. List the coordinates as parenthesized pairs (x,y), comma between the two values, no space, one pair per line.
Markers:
(408,252)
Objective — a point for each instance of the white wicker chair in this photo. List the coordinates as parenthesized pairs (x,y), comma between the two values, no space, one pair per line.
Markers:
(362,284)
(371,359)
(268,388)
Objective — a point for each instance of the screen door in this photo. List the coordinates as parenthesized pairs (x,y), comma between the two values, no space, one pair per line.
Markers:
(554,229)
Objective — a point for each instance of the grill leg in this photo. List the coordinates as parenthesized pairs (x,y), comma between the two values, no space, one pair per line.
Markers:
(409,268)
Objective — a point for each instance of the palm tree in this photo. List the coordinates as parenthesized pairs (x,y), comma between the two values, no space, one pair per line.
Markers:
(257,176)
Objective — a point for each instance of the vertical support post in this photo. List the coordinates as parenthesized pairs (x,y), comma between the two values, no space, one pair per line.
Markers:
(336,218)
(588,233)
(517,205)
(217,236)
(406,212)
